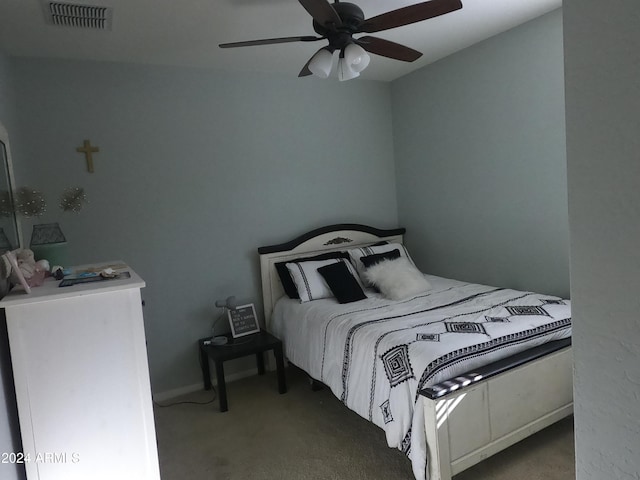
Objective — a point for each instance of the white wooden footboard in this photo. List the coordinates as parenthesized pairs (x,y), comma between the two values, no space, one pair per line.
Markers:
(472,423)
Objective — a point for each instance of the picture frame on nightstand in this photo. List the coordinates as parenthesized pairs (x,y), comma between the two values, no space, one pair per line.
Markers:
(243,320)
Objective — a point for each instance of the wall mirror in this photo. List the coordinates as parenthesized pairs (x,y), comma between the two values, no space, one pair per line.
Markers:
(10,233)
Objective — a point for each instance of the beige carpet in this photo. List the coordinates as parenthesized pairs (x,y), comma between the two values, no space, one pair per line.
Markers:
(304,435)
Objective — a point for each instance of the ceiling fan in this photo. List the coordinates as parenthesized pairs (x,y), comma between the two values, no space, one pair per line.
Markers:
(338,22)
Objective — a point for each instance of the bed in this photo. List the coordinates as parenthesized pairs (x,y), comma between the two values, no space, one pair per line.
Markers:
(453,372)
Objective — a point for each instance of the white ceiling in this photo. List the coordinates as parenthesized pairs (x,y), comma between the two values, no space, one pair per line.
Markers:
(187,32)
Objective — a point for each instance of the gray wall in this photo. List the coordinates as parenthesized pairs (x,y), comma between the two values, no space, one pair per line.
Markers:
(196,170)
(603,166)
(6,100)
(480,161)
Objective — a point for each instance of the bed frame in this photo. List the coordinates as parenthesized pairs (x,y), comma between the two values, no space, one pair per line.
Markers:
(473,416)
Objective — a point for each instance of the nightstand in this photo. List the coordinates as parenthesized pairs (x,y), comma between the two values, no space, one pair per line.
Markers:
(256,343)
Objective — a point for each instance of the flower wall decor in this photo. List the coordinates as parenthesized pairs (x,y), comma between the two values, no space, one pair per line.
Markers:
(73,199)
(30,202)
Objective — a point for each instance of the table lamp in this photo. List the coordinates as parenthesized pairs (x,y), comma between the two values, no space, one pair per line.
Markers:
(49,243)
(229,304)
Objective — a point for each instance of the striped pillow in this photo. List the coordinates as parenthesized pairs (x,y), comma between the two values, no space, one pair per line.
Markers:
(310,284)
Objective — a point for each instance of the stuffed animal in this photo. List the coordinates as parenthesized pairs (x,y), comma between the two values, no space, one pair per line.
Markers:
(5,267)
(32,271)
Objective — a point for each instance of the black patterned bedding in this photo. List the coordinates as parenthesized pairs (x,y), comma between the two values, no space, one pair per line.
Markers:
(377,354)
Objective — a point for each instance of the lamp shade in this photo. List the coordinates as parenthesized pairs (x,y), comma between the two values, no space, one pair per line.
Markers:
(320,64)
(47,233)
(49,243)
(356,57)
(345,72)
(229,303)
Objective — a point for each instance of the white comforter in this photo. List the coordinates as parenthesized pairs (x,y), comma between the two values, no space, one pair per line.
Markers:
(377,354)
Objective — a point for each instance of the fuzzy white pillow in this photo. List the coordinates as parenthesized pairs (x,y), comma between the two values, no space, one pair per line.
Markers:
(397,279)
(357,253)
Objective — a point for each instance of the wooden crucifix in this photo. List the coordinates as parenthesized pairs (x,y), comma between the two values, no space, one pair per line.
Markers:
(88,151)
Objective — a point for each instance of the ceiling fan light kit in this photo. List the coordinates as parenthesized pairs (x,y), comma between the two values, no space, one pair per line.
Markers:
(353,59)
(320,64)
(356,57)
(345,72)
(338,23)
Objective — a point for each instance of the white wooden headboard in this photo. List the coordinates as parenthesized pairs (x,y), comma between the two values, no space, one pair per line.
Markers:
(325,239)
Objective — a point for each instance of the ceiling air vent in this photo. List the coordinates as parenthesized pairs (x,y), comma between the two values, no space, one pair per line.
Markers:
(75,15)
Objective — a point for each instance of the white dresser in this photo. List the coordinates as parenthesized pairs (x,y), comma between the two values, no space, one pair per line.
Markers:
(82,380)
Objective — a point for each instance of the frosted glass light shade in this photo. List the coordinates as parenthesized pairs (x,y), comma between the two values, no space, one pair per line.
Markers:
(357,58)
(345,72)
(320,64)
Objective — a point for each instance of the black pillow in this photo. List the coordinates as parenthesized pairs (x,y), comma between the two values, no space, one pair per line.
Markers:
(371,260)
(342,283)
(285,277)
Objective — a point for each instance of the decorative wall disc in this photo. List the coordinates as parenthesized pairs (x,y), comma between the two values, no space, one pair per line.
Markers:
(30,202)
(73,199)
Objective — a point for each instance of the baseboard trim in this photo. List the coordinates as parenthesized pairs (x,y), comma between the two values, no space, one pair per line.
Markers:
(176,392)
(232,377)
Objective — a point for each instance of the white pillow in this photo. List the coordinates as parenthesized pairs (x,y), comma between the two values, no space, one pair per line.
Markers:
(357,253)
(309,283)
(397,279)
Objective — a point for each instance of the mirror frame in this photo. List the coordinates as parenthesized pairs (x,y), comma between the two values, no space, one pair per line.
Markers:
(4,137)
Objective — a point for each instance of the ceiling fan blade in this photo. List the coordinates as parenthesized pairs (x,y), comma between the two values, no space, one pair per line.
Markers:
(322,12)
(385,48)
(269,41)
(408,15)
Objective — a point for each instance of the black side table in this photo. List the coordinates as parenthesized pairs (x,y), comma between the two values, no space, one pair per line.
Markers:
(257,343)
